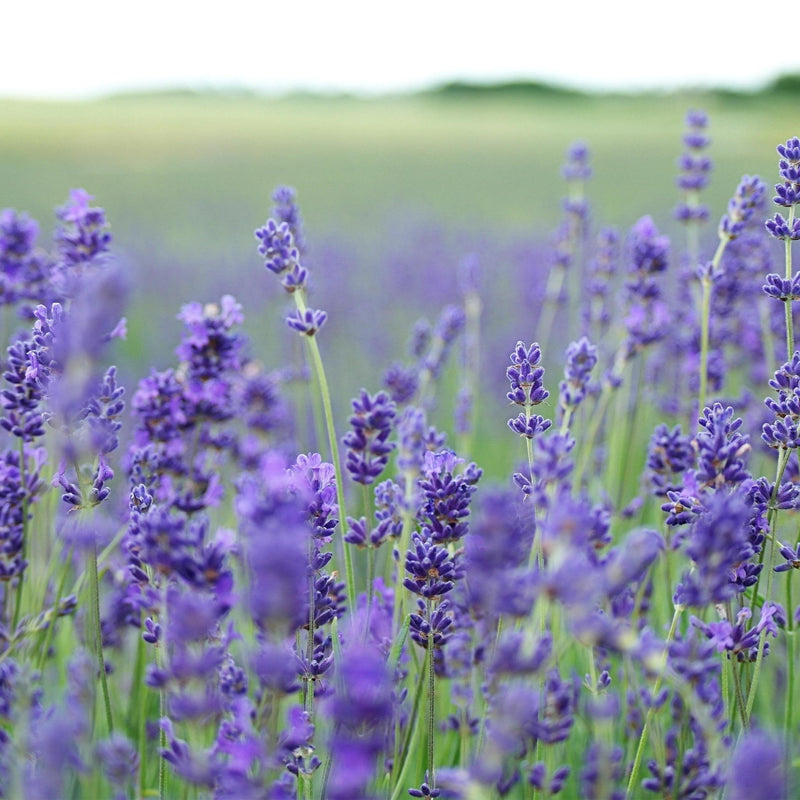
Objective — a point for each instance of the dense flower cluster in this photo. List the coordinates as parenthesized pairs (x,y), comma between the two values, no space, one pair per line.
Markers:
(605,622)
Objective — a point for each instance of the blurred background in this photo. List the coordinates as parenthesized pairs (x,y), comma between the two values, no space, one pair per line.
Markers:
(415,137)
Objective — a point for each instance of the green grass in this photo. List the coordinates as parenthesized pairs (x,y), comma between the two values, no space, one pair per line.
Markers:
(196,173)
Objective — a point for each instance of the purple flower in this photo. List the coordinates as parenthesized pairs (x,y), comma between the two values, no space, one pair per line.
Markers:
(368,448)
(275,534)
(307,322)
(527,389)
(602,774)
(581,360)
(736,637)
(425,789)
(749,196)
(287,211)
(577,167)
(431,568)
(695,167)
(450,323)
(783,288)
(718,543)
(721,448)
(281,255)
(120,762)
(208,346)
(757,769)
(781,228)
(361,712)
(401,382)
(670,454)
(84,233)
(788,192)
(446,496)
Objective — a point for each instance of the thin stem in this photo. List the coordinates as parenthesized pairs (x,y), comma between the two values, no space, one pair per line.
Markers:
(595,421)
(412,733)
(705,315)
(783,458)
(23,481)
(308,695)
(97,634)
(316,360)
(788,303)
(431,702)
(791,645)
(50,630)
(137,713)
(705,321)
(370,561)
(637,762)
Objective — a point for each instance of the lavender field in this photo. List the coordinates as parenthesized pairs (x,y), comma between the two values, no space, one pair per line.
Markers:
(492,494)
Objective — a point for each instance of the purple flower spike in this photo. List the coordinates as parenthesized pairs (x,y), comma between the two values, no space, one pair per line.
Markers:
(695,167)
(788,192)
(431,567)
(669,456)
(84,233)
(749,196)
(581,359)
(783,288)
(368,448)
(525,376)
(529,426)
(286,210)
(527,389)
(780,228)
(718,544)
(784,430)
(281,255)
(721,448)
(308,321)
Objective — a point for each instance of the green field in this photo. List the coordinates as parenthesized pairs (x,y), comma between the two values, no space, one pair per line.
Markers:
(185,180)
(196,173)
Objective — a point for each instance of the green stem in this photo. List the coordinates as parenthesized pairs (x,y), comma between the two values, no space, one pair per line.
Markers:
(408,516)
(705,315)
(308,695)
(20,582)
(137,716)
(97,634)
(413,731)
(316,360)
(50,630)
(783,458)
(595,421)
(740,700)
(788,303)
(705,321)
(791,637)
(637,762)
(370,561)
(431,703)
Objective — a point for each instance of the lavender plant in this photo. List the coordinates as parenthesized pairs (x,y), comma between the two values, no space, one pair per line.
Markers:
(220,628)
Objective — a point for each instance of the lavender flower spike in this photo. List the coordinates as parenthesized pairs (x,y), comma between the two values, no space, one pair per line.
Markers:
(749,196)
(368,448)
(581,359)
(281,255)
(527,389)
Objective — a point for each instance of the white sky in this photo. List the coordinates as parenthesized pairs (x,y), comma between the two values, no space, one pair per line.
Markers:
(52,48)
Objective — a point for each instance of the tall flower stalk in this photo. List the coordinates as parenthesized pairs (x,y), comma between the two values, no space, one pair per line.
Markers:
(749,195)
(282,257)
